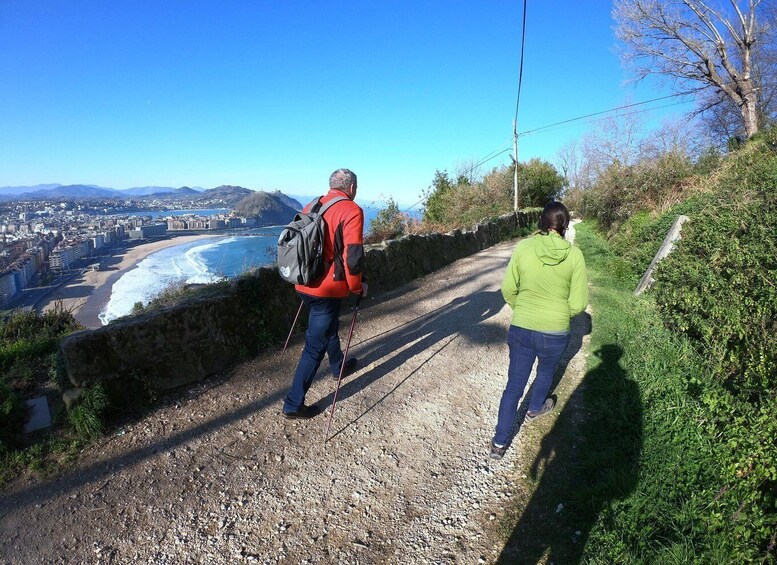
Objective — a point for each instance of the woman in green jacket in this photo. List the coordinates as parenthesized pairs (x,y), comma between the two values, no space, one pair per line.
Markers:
(545,284)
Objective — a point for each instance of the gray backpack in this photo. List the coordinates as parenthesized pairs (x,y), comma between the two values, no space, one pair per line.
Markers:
(301,245)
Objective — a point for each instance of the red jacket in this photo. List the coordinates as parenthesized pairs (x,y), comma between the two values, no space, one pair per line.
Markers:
(345,233)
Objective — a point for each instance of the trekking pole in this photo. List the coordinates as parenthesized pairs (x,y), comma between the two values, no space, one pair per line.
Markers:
(294,323)
(342,367)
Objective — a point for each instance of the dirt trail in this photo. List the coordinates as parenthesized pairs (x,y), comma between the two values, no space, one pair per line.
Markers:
(215,475)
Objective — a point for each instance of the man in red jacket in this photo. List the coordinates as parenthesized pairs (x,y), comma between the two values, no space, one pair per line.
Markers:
(344,256)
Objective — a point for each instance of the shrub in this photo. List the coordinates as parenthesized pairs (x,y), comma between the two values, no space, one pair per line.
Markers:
(707,476)
(86,417)
(11,417)
(539,183)
(28,358)
(27,341)
(436,197)
(29,325)
(606,199)
(464,203)
(638,239)
(652,185)
(389,223)
(718,287)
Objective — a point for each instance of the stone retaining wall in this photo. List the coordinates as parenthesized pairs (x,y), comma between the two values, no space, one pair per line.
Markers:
(206,334)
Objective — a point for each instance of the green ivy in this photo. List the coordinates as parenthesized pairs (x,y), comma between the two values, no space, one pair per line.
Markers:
(718,288)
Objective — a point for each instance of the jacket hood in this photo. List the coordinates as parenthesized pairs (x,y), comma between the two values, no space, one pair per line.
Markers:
(551,249)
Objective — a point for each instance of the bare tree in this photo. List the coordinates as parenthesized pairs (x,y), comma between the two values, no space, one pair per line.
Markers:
(570,161)
(616,139)
(698,42)
(679,137)
(721,115)
(468,169)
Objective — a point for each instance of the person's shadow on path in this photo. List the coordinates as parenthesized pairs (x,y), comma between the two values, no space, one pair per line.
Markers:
(588,460)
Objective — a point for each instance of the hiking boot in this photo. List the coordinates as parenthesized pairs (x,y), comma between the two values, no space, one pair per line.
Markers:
(547,406)
(350,367)
(497,451)
(304,412)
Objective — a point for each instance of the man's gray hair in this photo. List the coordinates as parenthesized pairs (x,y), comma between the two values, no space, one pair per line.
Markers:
(342,179)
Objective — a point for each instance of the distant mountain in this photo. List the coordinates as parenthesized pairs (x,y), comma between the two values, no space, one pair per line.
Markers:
(225,196)
(13,190)
(288,200)
(268,208)
(146,190)
(185,190)
(71,191)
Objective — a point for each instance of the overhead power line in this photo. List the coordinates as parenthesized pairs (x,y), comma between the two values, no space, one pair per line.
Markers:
(520,66)
(627,106)
(487,158)
(547,129)
(517,102)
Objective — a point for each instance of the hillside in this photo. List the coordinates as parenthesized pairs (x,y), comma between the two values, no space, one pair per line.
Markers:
(288,200)
(267,208)
(186,191)
(147,190)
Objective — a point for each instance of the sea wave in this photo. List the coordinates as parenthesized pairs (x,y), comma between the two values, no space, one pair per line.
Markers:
(152,276)
(195,262)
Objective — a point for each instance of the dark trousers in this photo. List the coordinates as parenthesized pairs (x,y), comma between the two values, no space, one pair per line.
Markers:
(321,337)
(526,346)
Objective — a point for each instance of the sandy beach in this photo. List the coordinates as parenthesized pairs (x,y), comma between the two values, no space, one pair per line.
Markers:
(88,293)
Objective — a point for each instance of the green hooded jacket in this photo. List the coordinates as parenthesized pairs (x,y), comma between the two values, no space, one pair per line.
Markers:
(545,283)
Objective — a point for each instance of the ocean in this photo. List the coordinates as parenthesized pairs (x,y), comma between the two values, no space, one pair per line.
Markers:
(197,262)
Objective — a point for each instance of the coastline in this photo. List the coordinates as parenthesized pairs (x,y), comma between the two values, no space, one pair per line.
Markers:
(88,293)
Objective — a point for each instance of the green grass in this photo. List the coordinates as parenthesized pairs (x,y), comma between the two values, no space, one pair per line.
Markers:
(653,518)
(46,458)
(52,450)
(86,418)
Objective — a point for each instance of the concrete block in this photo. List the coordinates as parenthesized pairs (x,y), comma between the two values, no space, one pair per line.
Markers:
(39,414)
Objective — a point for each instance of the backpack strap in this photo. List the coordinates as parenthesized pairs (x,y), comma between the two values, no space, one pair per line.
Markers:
(319,209)
(313,205)
(338,236)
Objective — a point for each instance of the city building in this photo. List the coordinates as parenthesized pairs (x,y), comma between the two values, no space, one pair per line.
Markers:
(148,230)
(8,289)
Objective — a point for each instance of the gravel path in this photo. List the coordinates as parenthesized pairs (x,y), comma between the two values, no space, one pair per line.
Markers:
(215,475)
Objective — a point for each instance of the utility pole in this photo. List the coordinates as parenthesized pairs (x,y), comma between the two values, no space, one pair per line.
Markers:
(515,165)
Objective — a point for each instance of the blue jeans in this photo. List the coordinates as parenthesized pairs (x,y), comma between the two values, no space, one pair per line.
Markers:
(321,337)
(526,346)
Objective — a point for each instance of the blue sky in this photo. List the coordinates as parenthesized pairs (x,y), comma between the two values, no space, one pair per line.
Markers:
(276,95)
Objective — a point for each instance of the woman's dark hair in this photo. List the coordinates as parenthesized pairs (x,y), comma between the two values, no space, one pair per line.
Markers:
(555,216)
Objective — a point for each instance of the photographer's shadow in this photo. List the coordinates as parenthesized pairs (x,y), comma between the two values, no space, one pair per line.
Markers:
(588,460)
